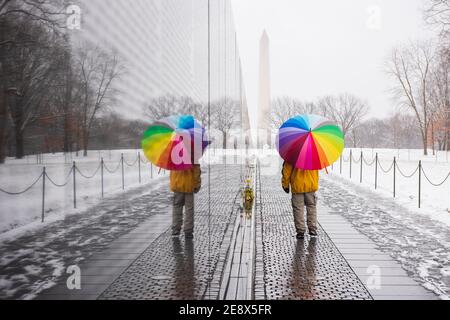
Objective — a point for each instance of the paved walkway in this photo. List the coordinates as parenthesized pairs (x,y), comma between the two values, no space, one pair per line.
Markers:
(341,263)
(147,263)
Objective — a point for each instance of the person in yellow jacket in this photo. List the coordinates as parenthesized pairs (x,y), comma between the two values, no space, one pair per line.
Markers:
(184,184)
(303,184)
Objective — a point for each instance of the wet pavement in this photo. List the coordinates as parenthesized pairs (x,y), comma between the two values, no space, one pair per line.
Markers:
(125,250)
(291,269)
(38,260)
(168,267)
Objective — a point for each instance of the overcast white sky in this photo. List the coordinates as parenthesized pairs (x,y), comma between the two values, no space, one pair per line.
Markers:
(321,47)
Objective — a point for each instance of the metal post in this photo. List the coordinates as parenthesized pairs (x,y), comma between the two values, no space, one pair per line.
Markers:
(395,164)
(74,186)
(123,179)
(139,162)
(351,158)
(361,168)
(43,193)
(102,165)
(420,180)
(376,170)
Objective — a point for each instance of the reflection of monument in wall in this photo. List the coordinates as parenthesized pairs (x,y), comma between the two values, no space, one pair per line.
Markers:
(264,132)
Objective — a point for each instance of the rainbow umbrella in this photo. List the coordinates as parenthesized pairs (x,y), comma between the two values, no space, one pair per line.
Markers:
(310,142)
(175,142)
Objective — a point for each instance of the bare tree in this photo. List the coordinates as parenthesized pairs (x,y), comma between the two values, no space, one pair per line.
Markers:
(30,71)
(97,71)
(372,133)
(50,12)
(437,14)
(16,16)
(346,110)
(225,114)
(286,107)
(396,131)
(282,108)
(411,67)
(168,105)
(440,100)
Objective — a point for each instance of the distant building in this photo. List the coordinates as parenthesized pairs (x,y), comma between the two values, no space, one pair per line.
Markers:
(264,109)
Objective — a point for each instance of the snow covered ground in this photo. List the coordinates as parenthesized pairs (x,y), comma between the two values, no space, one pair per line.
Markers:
(419,238)
(435,201)
(23,212)
(421,244)
(35,258)
(19,212)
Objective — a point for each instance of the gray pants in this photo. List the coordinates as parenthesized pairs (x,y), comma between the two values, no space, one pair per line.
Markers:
(181,200)
(299,200)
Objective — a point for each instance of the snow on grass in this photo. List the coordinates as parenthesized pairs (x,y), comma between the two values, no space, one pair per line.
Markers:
(16,175)
(435,201)
(53,246)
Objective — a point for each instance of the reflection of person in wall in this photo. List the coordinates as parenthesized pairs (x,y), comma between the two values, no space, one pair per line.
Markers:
(303,184)
(184,184)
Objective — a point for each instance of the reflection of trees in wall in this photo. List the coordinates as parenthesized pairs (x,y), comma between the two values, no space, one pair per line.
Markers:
(97,70)
(50,96)
(168,105)
(31,71)
(28,62)
(225,115)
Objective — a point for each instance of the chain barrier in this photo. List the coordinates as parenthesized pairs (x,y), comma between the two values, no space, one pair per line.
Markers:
(91,176)
(435,184)
(44,175)
(385,171)
(369,164)
(394,166)
(131,164)
(115,170)
(24,191)
(405,175)
(67,179)
(356,161)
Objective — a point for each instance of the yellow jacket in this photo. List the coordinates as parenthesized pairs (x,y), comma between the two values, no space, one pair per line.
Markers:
(186,181)
(301,181)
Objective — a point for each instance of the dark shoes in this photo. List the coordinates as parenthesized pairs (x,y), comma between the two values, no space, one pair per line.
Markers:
(187,235)
(313,233)
(301,235)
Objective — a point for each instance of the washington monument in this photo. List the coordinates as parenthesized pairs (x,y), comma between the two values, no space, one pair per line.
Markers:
(264,132)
